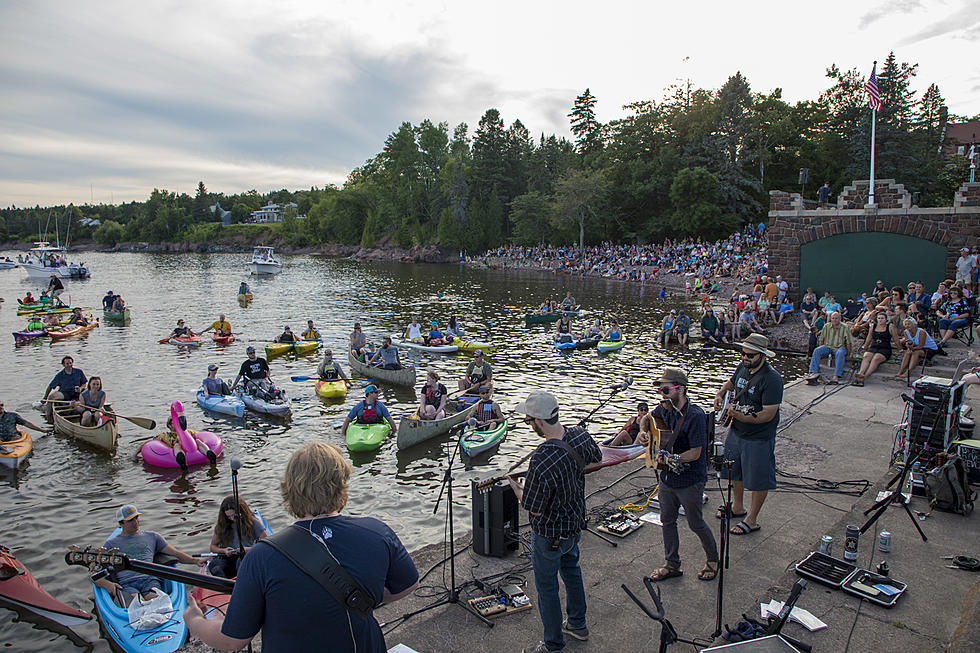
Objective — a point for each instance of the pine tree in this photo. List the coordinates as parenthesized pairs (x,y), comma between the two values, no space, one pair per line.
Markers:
(585,127)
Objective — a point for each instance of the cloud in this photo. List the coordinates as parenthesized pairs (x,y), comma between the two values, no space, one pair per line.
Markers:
(963,23)
(888,9)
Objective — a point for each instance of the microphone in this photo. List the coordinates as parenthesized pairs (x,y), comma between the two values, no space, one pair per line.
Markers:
(236,464)
(622,386)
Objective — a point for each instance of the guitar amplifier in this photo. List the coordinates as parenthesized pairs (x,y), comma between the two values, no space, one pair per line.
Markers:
(496,519)
(937,425)
(969,453)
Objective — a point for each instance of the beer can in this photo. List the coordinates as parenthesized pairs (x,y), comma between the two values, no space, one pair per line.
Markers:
(827,545)
(884,541)
(851,535)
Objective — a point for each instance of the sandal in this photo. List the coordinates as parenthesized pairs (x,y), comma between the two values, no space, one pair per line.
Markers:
(709,572)
(743,528)
(664,573)
(720,513)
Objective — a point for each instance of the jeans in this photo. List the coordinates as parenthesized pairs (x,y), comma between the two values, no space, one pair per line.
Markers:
(945,323)
(691,498)
(547,566)
(840,357)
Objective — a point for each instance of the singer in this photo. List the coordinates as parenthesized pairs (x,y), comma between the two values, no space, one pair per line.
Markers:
(684,471)
(554,495)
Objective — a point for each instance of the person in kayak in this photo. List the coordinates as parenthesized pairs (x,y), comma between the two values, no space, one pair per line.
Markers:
(108,301)
(311,333)
(9,422)
(51,321)
(329,369)
(287,336)
(563,330)
(433,404)
(386,357)
(613,333)
(486,411)
(293,611)
(243,289)
(569,303)
(221,327)
(226,543)
(172,440)
(55,288)
(255,370)
(478,374)
(181,331)
(28,299)
(413,332)
(77,318)
(213,385)
(434,337)
(454,329)
(68,382)
(118,305)
(35,324)
(138,544)
(368,411)
(358,342)
(631,429)
(594,332)
(90,403)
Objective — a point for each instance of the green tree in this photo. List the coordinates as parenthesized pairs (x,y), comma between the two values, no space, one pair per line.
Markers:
(109,233)
(490,156)
(695,193)
(531,214)
(586,129)
(579,198)
(202,211)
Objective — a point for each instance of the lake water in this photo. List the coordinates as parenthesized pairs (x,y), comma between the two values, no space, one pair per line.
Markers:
(67,493)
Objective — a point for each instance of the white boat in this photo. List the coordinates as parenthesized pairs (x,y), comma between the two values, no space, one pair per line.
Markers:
(8,265)
(421,346)
(264,261)
(45,259)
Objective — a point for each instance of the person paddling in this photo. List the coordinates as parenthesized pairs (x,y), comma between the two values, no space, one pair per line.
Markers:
(311,333)
(181,331)
(108,301)
(368,411)
(9,421)
(330,370)
(68,382)
(287,336)
(221,327)
(243,289)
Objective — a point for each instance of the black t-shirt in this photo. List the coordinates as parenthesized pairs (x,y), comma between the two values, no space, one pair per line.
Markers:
(765,388)
(852,309)
(432,396)
(693,433)
(256,369)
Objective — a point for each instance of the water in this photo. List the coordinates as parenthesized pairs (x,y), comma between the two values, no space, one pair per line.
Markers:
(67,493)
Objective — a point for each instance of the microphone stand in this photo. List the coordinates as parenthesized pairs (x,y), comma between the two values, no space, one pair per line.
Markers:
(238,506)
(447,487)
(582,422)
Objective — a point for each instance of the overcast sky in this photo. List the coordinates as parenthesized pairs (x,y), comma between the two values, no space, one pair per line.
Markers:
(106,100)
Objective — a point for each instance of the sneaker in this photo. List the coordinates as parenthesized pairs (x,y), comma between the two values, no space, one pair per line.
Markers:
(581,634)
(539,648)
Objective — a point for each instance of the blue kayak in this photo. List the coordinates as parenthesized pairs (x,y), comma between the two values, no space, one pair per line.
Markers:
(226,405)
(165,638)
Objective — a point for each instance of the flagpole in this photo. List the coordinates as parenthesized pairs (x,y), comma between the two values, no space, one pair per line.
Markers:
(871,186)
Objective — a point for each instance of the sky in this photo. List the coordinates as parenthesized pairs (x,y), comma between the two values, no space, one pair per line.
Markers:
(104,101)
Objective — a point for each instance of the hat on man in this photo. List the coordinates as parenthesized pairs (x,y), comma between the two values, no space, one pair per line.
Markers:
(478,352)
(127,512)
(369,389)
(758,342)
(673,311)
(212,367)
(539,405)
(250,349)
(673,376)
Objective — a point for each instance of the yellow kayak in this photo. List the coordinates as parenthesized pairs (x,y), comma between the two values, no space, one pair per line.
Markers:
(18,449)
(301,347)
(331,389)
(470,346)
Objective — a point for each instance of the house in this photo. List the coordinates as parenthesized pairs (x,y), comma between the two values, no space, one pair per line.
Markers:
(220,213)
(959,137)
(272,212)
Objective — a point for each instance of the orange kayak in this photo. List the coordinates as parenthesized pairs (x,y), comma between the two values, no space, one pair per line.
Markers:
(73,330)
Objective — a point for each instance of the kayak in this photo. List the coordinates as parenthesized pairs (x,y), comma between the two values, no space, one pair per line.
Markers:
(117,317)
(19,449)
(223,340)
(565,343)
(470,346)
(610,345)
(214,604)
(279,408)
(29,334)
(331,389)
(586,343)
(615,455)
(245,298)
(165,638)
(366,437)
(298,348)
(432,349)
(224,404)
(74,330)
(476,442)
(19,588)
(186,341)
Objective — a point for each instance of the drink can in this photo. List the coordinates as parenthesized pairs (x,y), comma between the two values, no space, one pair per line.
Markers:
(827,545)
(851,535)
(884,541)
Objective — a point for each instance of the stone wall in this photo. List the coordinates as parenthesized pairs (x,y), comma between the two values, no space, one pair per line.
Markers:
(791,225)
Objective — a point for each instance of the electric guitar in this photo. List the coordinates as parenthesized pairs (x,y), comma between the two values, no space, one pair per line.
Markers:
(100,560)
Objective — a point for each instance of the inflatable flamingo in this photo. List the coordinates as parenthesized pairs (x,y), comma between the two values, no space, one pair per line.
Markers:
(159,454)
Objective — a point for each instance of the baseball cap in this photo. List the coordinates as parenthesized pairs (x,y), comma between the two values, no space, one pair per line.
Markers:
(250,349)
(212,367)
(674,375)
(539,404)
(371,388)
(127,512)
(478,352)
(435,324)
(673,311)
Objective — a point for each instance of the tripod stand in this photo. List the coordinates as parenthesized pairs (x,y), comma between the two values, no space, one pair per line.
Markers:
(723,539)
(447,487)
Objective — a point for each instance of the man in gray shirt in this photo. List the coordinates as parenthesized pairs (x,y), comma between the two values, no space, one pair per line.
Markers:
(965,265)
(386,356)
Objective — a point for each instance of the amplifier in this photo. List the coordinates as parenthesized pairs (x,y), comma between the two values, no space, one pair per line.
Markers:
(969,452)
(937,425)
(496,519)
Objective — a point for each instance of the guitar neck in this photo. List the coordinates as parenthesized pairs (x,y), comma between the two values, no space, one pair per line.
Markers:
(98,557)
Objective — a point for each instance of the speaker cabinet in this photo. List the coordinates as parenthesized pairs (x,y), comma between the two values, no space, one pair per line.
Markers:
(496,520)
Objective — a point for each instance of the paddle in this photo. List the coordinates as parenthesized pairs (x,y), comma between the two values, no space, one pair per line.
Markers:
(142,422)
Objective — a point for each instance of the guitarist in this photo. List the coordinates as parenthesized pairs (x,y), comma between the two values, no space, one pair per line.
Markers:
(683,460)
(751,441)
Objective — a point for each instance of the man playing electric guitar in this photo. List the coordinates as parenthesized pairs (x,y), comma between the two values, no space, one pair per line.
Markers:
(681,456)
(751,442)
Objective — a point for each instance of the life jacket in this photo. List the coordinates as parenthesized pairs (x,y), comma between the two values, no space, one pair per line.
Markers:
(34,325)
(485,411)
(370,414)
(432,395)
(477,376)
(311,334)
(330,372)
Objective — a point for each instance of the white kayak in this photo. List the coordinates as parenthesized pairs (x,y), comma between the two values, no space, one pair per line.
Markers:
(421,346)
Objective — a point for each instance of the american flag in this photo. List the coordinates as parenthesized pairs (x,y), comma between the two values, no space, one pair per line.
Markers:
(874,97)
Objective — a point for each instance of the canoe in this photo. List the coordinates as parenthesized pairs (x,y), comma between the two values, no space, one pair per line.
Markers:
(165,638)
(226,405)
(366,437)
(476,442)
(19,589)
(544,318)
(403,377)
(610,345)
(421,346)
(19,449)
(412,430)
(28,335)
(331,389)
(298,348)
(244,299)
(615,455)
(105,436)
(276,408)
(223,340)
(186,341)
(214,604)
(117,317)
(470,346)
(74,330)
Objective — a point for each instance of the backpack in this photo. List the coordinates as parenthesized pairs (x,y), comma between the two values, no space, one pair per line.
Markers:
(947,488)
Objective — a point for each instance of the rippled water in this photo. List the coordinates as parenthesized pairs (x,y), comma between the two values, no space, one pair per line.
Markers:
(67,493)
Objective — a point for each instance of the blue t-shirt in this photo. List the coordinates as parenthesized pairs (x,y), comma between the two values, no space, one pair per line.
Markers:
(68,384)
(357,411)
(295,613)
(693,433)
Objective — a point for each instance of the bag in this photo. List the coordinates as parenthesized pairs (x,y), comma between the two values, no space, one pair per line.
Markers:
(947,488)
(147,614)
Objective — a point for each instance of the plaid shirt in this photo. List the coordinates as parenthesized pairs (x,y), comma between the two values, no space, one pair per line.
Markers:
(835,337)
(555,486)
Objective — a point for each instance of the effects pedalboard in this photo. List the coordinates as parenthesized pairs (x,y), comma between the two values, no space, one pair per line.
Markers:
(620,524)
(510,599)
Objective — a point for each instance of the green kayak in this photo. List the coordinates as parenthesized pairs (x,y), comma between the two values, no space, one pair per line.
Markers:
(366,437)
(610,345)
(476,442)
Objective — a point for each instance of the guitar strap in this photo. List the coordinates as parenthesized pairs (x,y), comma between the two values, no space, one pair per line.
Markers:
(741,392)
(667,437)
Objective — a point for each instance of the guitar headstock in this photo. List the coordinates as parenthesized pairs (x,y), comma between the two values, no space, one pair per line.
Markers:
(94,557)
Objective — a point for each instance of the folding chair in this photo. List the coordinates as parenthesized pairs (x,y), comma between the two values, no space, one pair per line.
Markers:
(965,333)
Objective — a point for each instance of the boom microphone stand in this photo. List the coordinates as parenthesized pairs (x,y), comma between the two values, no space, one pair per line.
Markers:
(719,462)
(235,466)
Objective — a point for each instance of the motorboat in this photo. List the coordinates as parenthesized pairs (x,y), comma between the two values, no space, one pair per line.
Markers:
(45,259)
(264,261)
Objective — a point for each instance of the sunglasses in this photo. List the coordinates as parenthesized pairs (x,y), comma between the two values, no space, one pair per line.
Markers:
(750,354)
(667,388)
(528,420)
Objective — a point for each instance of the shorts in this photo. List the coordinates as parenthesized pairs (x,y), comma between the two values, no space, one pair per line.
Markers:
(755,462)
(966,278)
(141,584)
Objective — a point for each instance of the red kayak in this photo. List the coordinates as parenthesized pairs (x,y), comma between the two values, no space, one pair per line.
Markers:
(19,588)
(223,340)
(186,341)
(615,455)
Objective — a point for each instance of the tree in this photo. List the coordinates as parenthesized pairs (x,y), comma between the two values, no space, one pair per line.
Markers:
(695,193)
(579,196)
(202,210)
(489,155)
(531,214)
(584,126)
(108,233)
